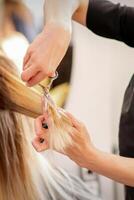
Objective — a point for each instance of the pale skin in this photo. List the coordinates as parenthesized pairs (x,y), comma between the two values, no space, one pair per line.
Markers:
(41,60)
(85,154)
(48,49)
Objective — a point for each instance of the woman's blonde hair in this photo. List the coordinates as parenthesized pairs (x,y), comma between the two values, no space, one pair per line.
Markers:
(25,174)
(14,154)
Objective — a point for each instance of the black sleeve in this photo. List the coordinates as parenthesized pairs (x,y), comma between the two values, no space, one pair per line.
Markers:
(111,20)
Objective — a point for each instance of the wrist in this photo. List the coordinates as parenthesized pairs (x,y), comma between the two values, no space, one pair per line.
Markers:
(59,31)
(90,157)
(65,25)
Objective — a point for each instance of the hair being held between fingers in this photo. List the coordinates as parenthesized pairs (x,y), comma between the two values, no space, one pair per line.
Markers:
(65,134)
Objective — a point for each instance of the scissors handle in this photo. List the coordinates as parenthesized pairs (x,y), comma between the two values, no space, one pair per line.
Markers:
(51,81)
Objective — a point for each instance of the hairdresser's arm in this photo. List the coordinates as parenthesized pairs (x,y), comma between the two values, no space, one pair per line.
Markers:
(50,46)
(86,155)
(115,167)
(83,152)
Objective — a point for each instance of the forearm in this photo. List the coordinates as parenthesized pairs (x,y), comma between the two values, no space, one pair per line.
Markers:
(115,167)
(62,11)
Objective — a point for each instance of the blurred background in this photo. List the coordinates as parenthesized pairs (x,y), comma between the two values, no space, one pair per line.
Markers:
(96,72)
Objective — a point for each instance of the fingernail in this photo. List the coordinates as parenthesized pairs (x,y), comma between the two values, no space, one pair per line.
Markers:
(44,125)
(41,140)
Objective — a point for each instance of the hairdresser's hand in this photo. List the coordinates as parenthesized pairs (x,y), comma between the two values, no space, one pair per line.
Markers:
(81,148)
(45,53)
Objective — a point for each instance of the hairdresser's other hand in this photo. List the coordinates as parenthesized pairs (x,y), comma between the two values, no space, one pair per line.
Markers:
(45,53)
(81,148)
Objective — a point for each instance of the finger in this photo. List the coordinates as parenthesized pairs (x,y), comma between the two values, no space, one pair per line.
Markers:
(39,146)
(29,73)
(38,124)
(28,64)
(26,59)
(36,79)
(52,74)
(76,124)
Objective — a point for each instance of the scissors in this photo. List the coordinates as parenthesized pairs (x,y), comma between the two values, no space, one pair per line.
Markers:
(47,98)
(46,90)
(48,87)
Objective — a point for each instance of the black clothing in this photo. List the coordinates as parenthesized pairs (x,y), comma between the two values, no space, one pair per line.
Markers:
(111,20)
(126,130)
(117,22)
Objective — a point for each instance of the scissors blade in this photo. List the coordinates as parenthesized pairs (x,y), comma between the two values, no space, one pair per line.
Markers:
(47,98)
